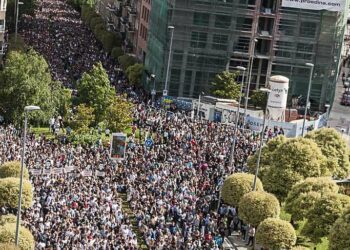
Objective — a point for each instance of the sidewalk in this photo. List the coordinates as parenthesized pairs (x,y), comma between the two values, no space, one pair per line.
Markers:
(237,242)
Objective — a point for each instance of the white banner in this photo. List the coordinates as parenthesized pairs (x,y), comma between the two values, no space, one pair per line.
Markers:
(279,92)
(330,5)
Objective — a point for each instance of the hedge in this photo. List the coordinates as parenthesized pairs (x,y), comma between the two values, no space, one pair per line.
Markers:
(9,190)
(26,239)
(13,169)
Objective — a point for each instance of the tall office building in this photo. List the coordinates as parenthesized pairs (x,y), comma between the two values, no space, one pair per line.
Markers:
(3,4)
(277,36)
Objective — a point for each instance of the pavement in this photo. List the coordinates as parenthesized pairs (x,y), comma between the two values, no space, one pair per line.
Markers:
(235,242)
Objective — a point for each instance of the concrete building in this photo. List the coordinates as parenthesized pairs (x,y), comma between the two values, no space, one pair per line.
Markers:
(276,37)
(3,4)
(143,16)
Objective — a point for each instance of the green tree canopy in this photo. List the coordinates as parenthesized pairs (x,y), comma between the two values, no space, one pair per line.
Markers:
(26,80)
(134,73)
(323,214)
(94,89)
(126,61)
(289,166)
(9,246)
(237,185)
(339,232)
(62,98)
(82,119)
(9,190)
(109,40)
(8,232)
(254,207)
(225,85)
(119,114)
(116,52)
(13,169)
(8,218)
(259,99)
(334,148)
(303,195)
(276,234)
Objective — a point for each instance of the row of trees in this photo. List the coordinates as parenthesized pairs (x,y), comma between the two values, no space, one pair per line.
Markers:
(9,190)
(299,173)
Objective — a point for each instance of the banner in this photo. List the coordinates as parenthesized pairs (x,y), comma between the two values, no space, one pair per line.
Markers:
(118,146)
(330,5)
(35,172)
(277,101)
(69,169)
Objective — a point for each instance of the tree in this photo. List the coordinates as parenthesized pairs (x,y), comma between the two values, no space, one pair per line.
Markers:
(225,85)
(334,148)
(83,119)
(300,248)
(294,160)
(276,234)
(24,81)
(126,61)
(109,40)
(9,246)
(339,232)
(94,90)
(119,114)
(62,98)
(13,169)
(259,99)
(323,214)
(237,185)
(8,218)
(266,155)
(116,53)
(256,206)
(14,45)
(134,73)
(7,235)
(27,8)
(303,195)
(9,190)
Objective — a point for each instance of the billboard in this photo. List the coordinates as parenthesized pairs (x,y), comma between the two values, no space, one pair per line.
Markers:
(277,101)
(330,5)
(118,146)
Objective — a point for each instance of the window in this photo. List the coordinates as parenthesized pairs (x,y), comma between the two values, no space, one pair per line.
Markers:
(201,19)
(244,24)
(198,39)
(219,42)
(308,29)
(222,21)
(287,27)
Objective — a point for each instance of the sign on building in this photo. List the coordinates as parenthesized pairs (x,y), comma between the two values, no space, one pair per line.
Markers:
(330,5)
(118,146)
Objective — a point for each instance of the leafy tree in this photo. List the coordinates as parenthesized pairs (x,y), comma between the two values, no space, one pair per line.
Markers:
(62,98)
(94,89)
(294,160)
(27,8)
(119,114)
(9,246)
(24,81)
(9,190)
(134,73)
(116,52)
(339,233)
(225,85)
(276,234)
(334,148)
(259,99)
(266,155)
(254,207)
(323,214)
(8,232)
(300,248)
(95,21)
(83,119)
(14,45)
(109,40)
(8,218)
(303,196)
(126,61)
(237,185)
(13,169)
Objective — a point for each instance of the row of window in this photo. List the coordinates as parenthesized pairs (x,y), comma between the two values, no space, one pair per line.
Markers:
(145,14)
(199,40)
(143,32)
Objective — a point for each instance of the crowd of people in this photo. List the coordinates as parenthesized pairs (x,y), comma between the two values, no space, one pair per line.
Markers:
(172,186)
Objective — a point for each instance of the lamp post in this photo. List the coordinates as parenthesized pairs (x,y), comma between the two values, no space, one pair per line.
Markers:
(26,110)
(267,91)
(18,3)
(153,92)
(241,69)
(251,61)
(327,106)
(199,104)
(308,95)
(165,91)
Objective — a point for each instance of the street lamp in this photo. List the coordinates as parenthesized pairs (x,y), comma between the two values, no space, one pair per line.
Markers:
(251,62)
(26,110)
(16,22)
(199,104)
(153,92)
(327,106)
(165,91)
(308,95)
(241,69)
(267,91)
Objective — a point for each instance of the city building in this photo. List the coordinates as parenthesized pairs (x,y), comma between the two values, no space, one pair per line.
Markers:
(144,12)
(2,26)
(210,36)
(121,16)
